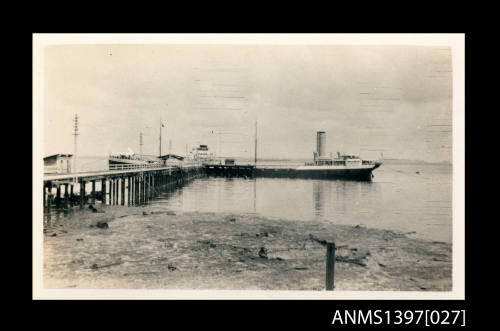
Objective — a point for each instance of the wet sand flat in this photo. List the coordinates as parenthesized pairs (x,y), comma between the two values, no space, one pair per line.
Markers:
(152,248)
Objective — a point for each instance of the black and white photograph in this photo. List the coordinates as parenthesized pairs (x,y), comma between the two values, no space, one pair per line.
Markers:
(253,166)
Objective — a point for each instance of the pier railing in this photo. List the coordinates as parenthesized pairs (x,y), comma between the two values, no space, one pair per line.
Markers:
(135,166)
(278,166)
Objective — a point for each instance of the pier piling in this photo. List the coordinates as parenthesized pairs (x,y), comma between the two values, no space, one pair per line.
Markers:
(128,191)
(111,191)
(117,182)
(136,187)
(58,194)
(144,198)
(82,193)
(103,191)
(93,192)
(49,199)
(136,191)
(123,191)
(66,196)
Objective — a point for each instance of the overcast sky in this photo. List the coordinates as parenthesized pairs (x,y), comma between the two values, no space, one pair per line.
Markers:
(369,99)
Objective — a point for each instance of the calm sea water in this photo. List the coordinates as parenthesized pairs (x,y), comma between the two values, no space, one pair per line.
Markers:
(398,199)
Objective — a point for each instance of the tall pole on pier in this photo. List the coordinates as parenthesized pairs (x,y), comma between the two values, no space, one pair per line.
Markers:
(220,156)
(255,156)
(75,134)
(140,142)
(161,124)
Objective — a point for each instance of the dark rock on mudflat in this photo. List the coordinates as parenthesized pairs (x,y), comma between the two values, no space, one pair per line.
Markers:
(350,255)
(79,239)
(102,225)
(54,235)
(171,267)
(94,210)
(144,213)
(232,220)
(94,266)
(389,235)
(263,253)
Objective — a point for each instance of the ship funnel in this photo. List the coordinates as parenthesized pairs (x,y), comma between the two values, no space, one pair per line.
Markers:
(320,143)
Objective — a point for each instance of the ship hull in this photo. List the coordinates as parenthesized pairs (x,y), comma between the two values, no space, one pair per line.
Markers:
(361,174)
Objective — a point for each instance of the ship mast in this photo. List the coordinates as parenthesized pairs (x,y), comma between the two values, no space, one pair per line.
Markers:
(255,156)
(161,126)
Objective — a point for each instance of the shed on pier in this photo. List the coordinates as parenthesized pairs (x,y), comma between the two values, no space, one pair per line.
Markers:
(57,163)
(172,159)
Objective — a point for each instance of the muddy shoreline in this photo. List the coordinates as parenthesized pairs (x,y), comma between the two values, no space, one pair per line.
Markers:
(152,248)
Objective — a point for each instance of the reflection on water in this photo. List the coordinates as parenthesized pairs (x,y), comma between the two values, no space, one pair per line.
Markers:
(55,217)
(399,200)
(319,198)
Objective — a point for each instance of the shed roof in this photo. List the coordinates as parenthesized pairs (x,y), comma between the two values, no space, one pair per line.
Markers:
(56,155)
(168,156)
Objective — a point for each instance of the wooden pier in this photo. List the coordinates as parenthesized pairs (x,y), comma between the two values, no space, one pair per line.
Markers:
(130,187)
(229,170)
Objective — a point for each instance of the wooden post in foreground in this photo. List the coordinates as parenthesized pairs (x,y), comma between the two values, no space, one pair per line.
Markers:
(330,265)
